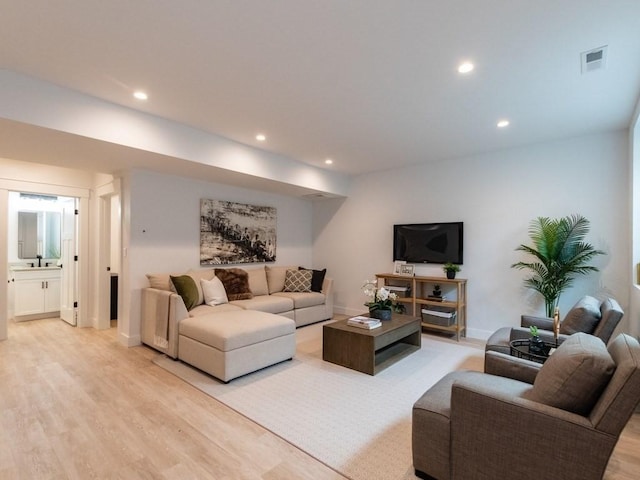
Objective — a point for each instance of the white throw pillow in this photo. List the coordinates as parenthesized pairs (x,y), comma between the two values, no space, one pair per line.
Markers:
(213,291)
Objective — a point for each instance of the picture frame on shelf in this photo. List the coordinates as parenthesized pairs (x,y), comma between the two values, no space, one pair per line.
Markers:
(407,270)
(397,265)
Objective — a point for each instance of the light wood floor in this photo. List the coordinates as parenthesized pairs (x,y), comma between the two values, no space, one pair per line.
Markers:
(76,404)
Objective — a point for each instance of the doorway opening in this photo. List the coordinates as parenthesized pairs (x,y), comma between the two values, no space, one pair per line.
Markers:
(42,256)
(109,260)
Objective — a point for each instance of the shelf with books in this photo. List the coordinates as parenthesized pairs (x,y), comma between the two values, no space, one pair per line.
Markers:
(452,294)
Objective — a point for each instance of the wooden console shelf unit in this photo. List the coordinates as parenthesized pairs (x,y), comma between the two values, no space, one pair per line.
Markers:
(455,291)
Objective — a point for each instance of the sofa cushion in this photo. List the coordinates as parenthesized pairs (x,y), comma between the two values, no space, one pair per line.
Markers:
(258,281)
(583,317)
(266,303)
(236,329)
(205,309)
(213,291)
(161,281)
(575,375)
(317,278)
(185,286)
(236,283)
(303,300)
(297,281)
(275,277)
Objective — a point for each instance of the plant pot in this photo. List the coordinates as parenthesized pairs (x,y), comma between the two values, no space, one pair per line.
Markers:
(536,346)
(380,314)
(451,274)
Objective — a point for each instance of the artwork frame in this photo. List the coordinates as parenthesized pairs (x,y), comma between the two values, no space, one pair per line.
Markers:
(397,266)
(407,270)
(234,233)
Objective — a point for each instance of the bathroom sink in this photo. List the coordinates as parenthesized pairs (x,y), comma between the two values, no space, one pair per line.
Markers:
(20,268)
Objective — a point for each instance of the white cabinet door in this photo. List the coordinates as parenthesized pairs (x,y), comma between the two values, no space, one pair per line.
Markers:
(36,291)
(29,297)
(52,295)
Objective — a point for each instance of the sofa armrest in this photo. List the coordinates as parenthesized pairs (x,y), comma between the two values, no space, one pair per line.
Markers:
(541,322)
(327,290)
(327,285)
(494,432)
(496,363)
(161,313)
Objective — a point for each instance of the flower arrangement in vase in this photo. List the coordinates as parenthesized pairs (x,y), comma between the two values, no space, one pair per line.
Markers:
(381,302)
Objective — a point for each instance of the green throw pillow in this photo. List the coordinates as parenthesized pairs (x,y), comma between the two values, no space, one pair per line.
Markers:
(186,287)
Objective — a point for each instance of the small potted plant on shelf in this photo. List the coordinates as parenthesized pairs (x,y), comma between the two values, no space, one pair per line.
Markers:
(451,269)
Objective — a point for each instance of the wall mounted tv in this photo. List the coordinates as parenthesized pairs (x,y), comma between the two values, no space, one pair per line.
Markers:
(428,242)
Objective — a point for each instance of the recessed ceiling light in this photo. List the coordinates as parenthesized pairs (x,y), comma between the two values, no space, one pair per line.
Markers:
(465,67)
(328,161)
(260,137)
(140,95)
(503,123)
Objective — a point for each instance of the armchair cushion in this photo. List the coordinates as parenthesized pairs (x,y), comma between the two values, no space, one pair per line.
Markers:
(575,375)
(583,317)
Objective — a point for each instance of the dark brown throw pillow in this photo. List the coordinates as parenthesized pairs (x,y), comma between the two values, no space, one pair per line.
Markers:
(236,283)
(317,278)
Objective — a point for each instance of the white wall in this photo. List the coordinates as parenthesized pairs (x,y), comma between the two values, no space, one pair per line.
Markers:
(161,232)
(496,195)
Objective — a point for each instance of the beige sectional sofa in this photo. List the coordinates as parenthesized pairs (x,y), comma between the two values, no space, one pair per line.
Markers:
(237,337)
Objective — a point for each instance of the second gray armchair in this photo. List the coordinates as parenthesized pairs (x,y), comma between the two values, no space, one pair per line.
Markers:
(588,315)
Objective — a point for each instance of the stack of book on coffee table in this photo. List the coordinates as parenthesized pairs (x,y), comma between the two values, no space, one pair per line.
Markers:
(364,322)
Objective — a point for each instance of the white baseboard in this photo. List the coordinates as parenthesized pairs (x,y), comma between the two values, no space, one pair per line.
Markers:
(479,334)
(127,341)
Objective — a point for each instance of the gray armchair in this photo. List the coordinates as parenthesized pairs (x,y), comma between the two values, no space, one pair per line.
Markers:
(478,425)
(588,315)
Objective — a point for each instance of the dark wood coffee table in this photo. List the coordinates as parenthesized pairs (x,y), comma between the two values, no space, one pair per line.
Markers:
(370,351)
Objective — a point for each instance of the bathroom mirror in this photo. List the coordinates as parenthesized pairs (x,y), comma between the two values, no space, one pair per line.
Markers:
(39,234)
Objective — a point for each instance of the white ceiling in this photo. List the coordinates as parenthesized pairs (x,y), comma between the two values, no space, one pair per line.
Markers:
(371,84)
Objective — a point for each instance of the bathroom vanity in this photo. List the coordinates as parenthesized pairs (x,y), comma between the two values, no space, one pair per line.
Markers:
(36,290)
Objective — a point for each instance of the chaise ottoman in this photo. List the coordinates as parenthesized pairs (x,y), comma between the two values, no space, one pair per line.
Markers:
(231,344)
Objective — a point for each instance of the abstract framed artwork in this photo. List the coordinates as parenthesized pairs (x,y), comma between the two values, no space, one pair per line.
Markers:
(233,232)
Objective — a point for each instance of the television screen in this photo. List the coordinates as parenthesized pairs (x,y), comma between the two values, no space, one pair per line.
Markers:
(428,242)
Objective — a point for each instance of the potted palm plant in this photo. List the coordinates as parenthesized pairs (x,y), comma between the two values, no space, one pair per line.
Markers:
(560,254)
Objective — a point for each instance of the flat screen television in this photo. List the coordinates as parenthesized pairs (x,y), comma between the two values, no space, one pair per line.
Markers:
(428,242)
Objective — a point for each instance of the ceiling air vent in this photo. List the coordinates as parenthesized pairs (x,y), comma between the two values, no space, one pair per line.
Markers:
(595,59)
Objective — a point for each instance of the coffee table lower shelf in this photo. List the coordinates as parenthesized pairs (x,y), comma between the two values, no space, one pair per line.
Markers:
(388,356)
(371,351)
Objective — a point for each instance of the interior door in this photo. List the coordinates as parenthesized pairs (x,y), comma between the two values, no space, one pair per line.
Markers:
(69,273)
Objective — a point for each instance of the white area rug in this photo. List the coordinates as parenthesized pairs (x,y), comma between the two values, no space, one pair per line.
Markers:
(357,424)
